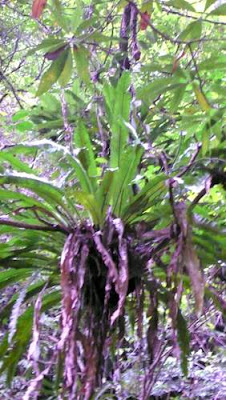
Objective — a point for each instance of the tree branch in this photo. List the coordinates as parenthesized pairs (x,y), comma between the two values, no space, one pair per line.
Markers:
(23,225)
(170,11)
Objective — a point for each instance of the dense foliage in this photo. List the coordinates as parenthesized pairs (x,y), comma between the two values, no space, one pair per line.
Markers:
(112,195)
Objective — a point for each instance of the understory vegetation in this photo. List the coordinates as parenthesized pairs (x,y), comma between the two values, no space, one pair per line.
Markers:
(112,199)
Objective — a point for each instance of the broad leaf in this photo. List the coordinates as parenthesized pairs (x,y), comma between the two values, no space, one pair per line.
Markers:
(83,143)
(184,5)
(105,192)
(122,184)
(192,31)
(81,56)
(52,74)
(209,3)
(13,275)
(201,98)
(65,75)
(150,194)
(221,10)
(118,103)
(91,205)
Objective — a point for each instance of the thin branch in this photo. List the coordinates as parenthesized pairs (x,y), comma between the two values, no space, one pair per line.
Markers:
(190,164)
(23,225)
(67,126)
(13,53)
(175,41)
(199,196)
(3,77)
(196,68)
(170,11)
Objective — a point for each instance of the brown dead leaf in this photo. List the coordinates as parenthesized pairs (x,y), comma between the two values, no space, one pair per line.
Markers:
(193,268)
(37,8)
(144,21)
(53,55)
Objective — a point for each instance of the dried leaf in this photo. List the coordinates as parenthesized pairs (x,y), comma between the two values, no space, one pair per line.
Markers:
(35,383)
(123,273)
(107,259)
(144,22)
(53,55)
(175,65)
(73,261)
(190,258)
(16,311)
(193,267)
(34,349)
(37,8)
(201,99)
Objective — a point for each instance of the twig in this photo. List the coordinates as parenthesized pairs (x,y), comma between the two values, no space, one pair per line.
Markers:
(200,195)
(13,54)
(68,127)
(23,225)
(168,38)
(190,164)
(12,88)
(170,11)
(196,68)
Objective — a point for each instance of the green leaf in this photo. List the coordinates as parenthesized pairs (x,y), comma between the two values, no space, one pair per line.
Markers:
(213,63)
(184,5)
(13,275)
(118,102)
(209,3)
(82,26)
(53,195)
(91,205)
(22,200)
(221,10)
(79,171)
(24,126)
(58,12)
(20,115)
(32,291)
(104,193)
(148,196)
(177,98)
(157,87)
(86,156)
(184,341)
(65,75)
(201,99)
(77,17)
(47,45)
(15,162)
(51,125)
(81,174)
(99,37)
(50,103)
(23,334)
(52,74)
(192,31)
(121,187)
(205,140)
(81,56)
